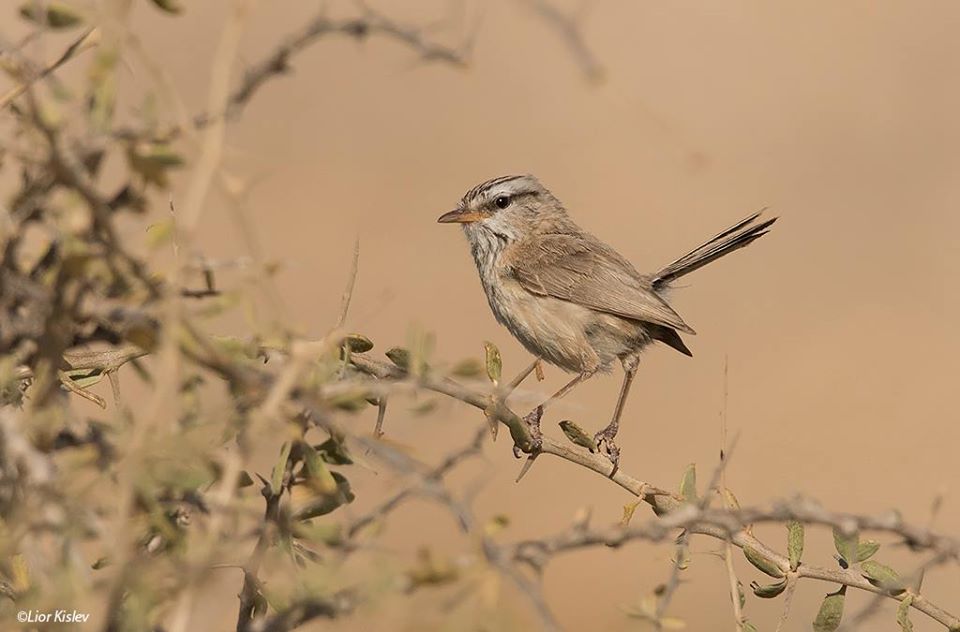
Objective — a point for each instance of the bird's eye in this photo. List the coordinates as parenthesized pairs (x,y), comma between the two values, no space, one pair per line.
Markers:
(502,202)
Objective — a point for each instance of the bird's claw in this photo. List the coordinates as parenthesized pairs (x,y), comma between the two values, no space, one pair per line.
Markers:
(532,421)
(608,447)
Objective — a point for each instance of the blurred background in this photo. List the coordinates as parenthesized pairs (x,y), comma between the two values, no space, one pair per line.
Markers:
(829,345)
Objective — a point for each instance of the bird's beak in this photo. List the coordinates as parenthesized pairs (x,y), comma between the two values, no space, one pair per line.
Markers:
(460,216)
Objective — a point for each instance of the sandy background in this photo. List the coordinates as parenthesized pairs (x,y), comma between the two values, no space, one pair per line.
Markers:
(839,327)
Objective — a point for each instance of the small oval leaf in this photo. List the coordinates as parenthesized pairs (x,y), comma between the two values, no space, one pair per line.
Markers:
(56,15)
(244,480)
(334,451)
(729,500)
(903,614)
(688,484)
(831,612)
(399,356)
(276,479)
(170,6)
(866,550)
(357,343)
(768,591)
(315,470)
(846,545)
(322,504)
(493,362)
(794,543)
(763,564)
(577,435)
(882,576)
(469,367)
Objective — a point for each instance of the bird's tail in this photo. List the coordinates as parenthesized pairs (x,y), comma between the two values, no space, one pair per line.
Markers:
(737,236)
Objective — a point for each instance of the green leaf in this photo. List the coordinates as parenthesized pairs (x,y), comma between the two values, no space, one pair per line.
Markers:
(103,87)
(430,571)
(866,549)
(493,362)
(729,499)
(153,160)
(244,480)
(399,356)
(315,470)
(334,451)
(88,381)
(357,343)
(794,543)
(846,545)
(100,563)
(469,367)
(349,402)
(330,534)
(748,627)
(325,503)
(754,557)
(768,591)
(831,612)
(628,510)
(882,575)
(577,435)
(903,614)
(160,233)
(276,479)
(58,15)
(169,6)
(177,472)
(688,484)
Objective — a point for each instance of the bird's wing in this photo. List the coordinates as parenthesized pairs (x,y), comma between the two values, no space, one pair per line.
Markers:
(581,269)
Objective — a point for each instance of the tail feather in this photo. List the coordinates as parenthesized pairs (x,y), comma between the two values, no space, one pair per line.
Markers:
(669,337)
(737,236)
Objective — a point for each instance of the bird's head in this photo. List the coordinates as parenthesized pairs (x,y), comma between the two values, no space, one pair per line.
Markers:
(510,207)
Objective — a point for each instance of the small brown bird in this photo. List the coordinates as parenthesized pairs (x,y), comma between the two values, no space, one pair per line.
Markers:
(569,298)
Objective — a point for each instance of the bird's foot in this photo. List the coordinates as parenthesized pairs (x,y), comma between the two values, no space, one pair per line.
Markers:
(532,421)
(608,447)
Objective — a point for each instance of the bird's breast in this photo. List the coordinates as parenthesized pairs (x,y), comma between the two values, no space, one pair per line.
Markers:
(549,328)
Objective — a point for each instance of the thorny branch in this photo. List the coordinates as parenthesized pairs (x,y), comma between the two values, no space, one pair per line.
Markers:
(727,525)
(52,312)
(425,484)
(370,23)
(569,28)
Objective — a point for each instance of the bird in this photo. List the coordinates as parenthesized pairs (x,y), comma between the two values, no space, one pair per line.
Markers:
(569,298)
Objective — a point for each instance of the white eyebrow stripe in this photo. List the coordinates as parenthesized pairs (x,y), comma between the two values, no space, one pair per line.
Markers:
(482,188)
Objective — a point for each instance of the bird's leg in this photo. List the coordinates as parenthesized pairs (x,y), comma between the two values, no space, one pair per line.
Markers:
(532,419)
(604,438)
(523,375)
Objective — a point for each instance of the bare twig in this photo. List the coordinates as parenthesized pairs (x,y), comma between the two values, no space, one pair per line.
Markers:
(351,283)
(726,524)
(568,27)
(71,386)
(423,482)
(87,40)
(791,590)
(683,543)
(734,586)
(371,23)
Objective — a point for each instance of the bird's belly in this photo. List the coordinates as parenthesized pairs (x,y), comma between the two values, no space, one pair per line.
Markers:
(549,328)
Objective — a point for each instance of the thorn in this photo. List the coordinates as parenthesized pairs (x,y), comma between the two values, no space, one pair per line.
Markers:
(527,465)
